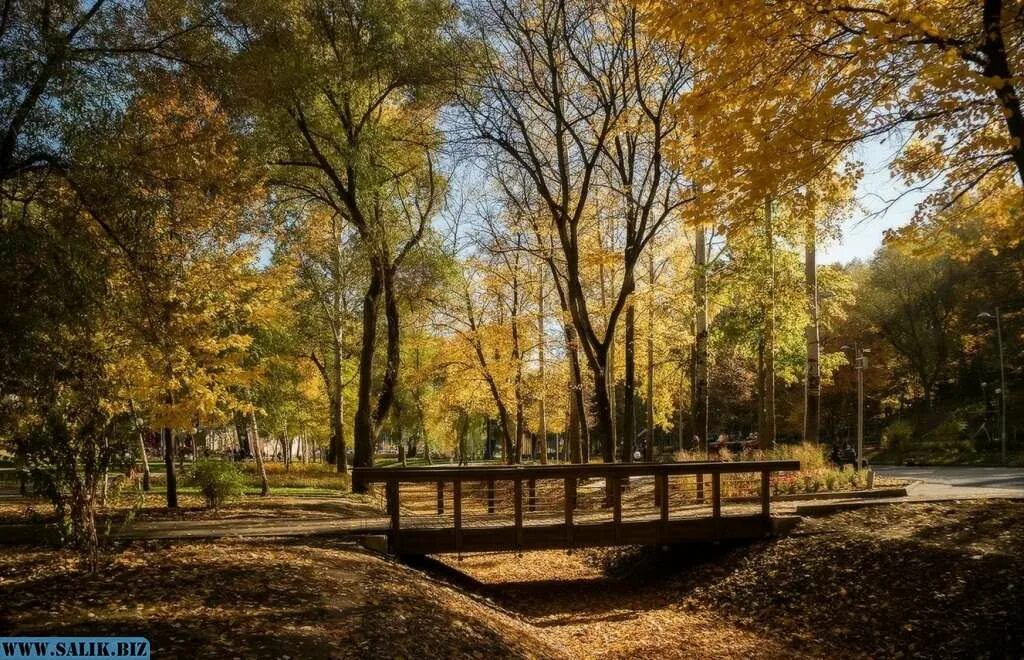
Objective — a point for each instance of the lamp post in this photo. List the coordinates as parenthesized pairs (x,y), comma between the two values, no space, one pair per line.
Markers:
(860,363)
(1002,381)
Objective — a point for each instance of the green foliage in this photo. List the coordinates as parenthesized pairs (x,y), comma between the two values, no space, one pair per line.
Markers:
(218,481)
(897,436)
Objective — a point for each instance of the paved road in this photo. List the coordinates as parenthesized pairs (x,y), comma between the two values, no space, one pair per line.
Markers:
(958,482)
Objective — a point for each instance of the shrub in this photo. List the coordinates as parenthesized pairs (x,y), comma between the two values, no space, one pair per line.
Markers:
(897,436)
(811,455)
(217,481)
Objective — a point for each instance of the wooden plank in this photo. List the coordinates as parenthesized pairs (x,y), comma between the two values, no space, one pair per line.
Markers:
(570,504)
(551,537)
(596,470)
(716,495)
(440,497)
(517,502)
(457,513)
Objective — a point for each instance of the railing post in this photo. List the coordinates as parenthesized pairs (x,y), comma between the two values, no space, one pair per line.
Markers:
(570,504)
(700,488)
(517,501)
(716,494)
(457,513)
(663,490)
(766,495)
(393,509)
(531,497)
(440,497)
(490,496)
(616,484)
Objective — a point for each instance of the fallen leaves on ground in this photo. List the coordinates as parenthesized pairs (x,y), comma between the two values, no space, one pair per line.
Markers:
(928,580)
(923,580)
(248,599)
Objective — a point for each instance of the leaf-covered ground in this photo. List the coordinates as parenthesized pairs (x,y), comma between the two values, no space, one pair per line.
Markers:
(248,599)
(898,581)
(925,580)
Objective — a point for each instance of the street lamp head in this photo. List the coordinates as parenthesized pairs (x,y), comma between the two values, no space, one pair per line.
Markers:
(985,315)
(844,347)
(865,350)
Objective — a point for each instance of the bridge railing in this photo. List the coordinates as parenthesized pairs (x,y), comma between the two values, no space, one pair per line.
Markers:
(519,507)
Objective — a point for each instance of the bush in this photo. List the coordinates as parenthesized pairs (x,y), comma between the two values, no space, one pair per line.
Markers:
(897,436)
(217,481)
(812,456)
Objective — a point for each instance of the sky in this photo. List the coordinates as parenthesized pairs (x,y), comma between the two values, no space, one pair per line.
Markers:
(862,233)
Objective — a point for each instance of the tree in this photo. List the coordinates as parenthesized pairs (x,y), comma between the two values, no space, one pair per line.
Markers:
(330,272)
(811,79)
(172,192)
(61,347)
(350,114)
(62,58)
(565,94)
(913,304)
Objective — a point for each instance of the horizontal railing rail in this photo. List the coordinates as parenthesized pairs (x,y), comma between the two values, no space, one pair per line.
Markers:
(504,510)
(511,472)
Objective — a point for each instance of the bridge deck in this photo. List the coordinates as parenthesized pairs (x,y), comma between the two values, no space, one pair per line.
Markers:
(475,509)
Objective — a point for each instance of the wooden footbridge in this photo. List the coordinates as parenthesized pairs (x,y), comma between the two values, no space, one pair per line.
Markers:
(515,508)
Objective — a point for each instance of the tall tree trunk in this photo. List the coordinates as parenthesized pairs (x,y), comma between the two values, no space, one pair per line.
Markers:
(365,425)
(605,414)
(542,424)
(142,446)
(699,384)
(768,441)
(257,451)
(337,401)
(579,433)
(812,380)
(609,423)
(762,418)
(649,445)
(171,477)
(604,374)
(242,431)
(145,461)
(517,358)
(997,66)
(393,349)
(629,386)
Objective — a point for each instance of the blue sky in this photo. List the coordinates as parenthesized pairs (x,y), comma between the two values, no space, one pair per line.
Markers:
(862,233)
